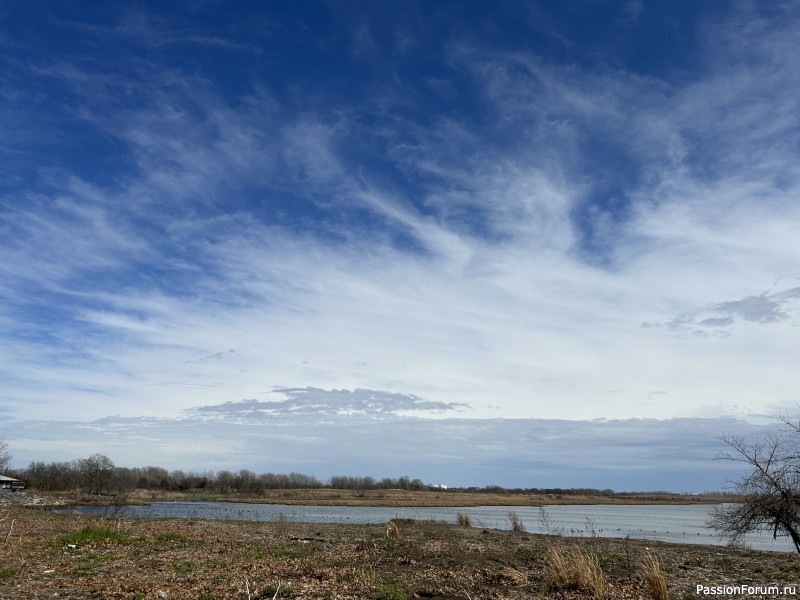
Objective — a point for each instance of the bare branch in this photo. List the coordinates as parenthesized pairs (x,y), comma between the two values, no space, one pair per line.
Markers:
(770,492)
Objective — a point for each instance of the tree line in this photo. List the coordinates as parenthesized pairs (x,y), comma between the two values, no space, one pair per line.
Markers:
(98,474)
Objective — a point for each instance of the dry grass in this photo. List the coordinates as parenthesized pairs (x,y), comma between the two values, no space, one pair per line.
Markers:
(513,576)
(50,555)
(516,522)
(464,520)
(392,530)
(654,578)
(452,497)
(556,568)
(575,568)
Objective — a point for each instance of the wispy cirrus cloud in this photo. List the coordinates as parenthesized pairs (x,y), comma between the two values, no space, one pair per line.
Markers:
(489,235)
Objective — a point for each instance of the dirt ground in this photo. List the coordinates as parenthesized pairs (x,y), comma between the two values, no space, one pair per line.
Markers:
(45,555)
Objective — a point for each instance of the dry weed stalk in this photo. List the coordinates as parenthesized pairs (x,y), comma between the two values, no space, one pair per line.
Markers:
(464,520)
(628,553)
(654,578)
(8,535)
(577,569)
(277,590)
(365,576)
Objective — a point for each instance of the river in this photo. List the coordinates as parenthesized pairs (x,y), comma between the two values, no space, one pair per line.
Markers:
(665,523)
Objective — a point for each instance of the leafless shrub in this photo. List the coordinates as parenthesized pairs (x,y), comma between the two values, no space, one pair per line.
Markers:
(590,526)
(464,520)
(628,553)
(546,523)
(516,522)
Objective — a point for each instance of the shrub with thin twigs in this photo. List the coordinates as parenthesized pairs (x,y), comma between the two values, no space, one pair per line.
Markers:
(546,523)
(574,568)
(464,520)
(516,522)
(654,578)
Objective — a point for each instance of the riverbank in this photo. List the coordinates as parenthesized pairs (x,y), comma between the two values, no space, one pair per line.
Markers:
(422,498)
(74,556)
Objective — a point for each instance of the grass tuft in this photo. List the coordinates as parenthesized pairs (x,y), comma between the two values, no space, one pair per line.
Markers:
(464,520)
(392,530)
(513,575)
(577,569)
(170,536)
(556,568)
(390,588)
(654,578)
(96,535)
(9,571)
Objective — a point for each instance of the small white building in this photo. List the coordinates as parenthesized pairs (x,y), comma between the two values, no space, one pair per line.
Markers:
(9,484)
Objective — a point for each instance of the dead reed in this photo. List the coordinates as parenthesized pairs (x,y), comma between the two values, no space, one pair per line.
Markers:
(392,530)
(574,568)
(654,578)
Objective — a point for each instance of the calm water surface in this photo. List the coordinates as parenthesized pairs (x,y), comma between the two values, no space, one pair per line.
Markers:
(666,523)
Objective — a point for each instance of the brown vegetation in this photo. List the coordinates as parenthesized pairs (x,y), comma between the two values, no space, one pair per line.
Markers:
(654,578)
(392,530)
(46,555)
(516,522)
(575,568)
(335,497)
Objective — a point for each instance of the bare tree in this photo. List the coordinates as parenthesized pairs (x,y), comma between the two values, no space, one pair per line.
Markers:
(97,472)
(5,456)
(769,494)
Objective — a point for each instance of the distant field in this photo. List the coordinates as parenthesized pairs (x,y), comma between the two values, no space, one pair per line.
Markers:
(333,497)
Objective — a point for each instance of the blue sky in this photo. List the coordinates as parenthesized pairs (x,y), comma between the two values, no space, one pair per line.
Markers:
(468,242)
